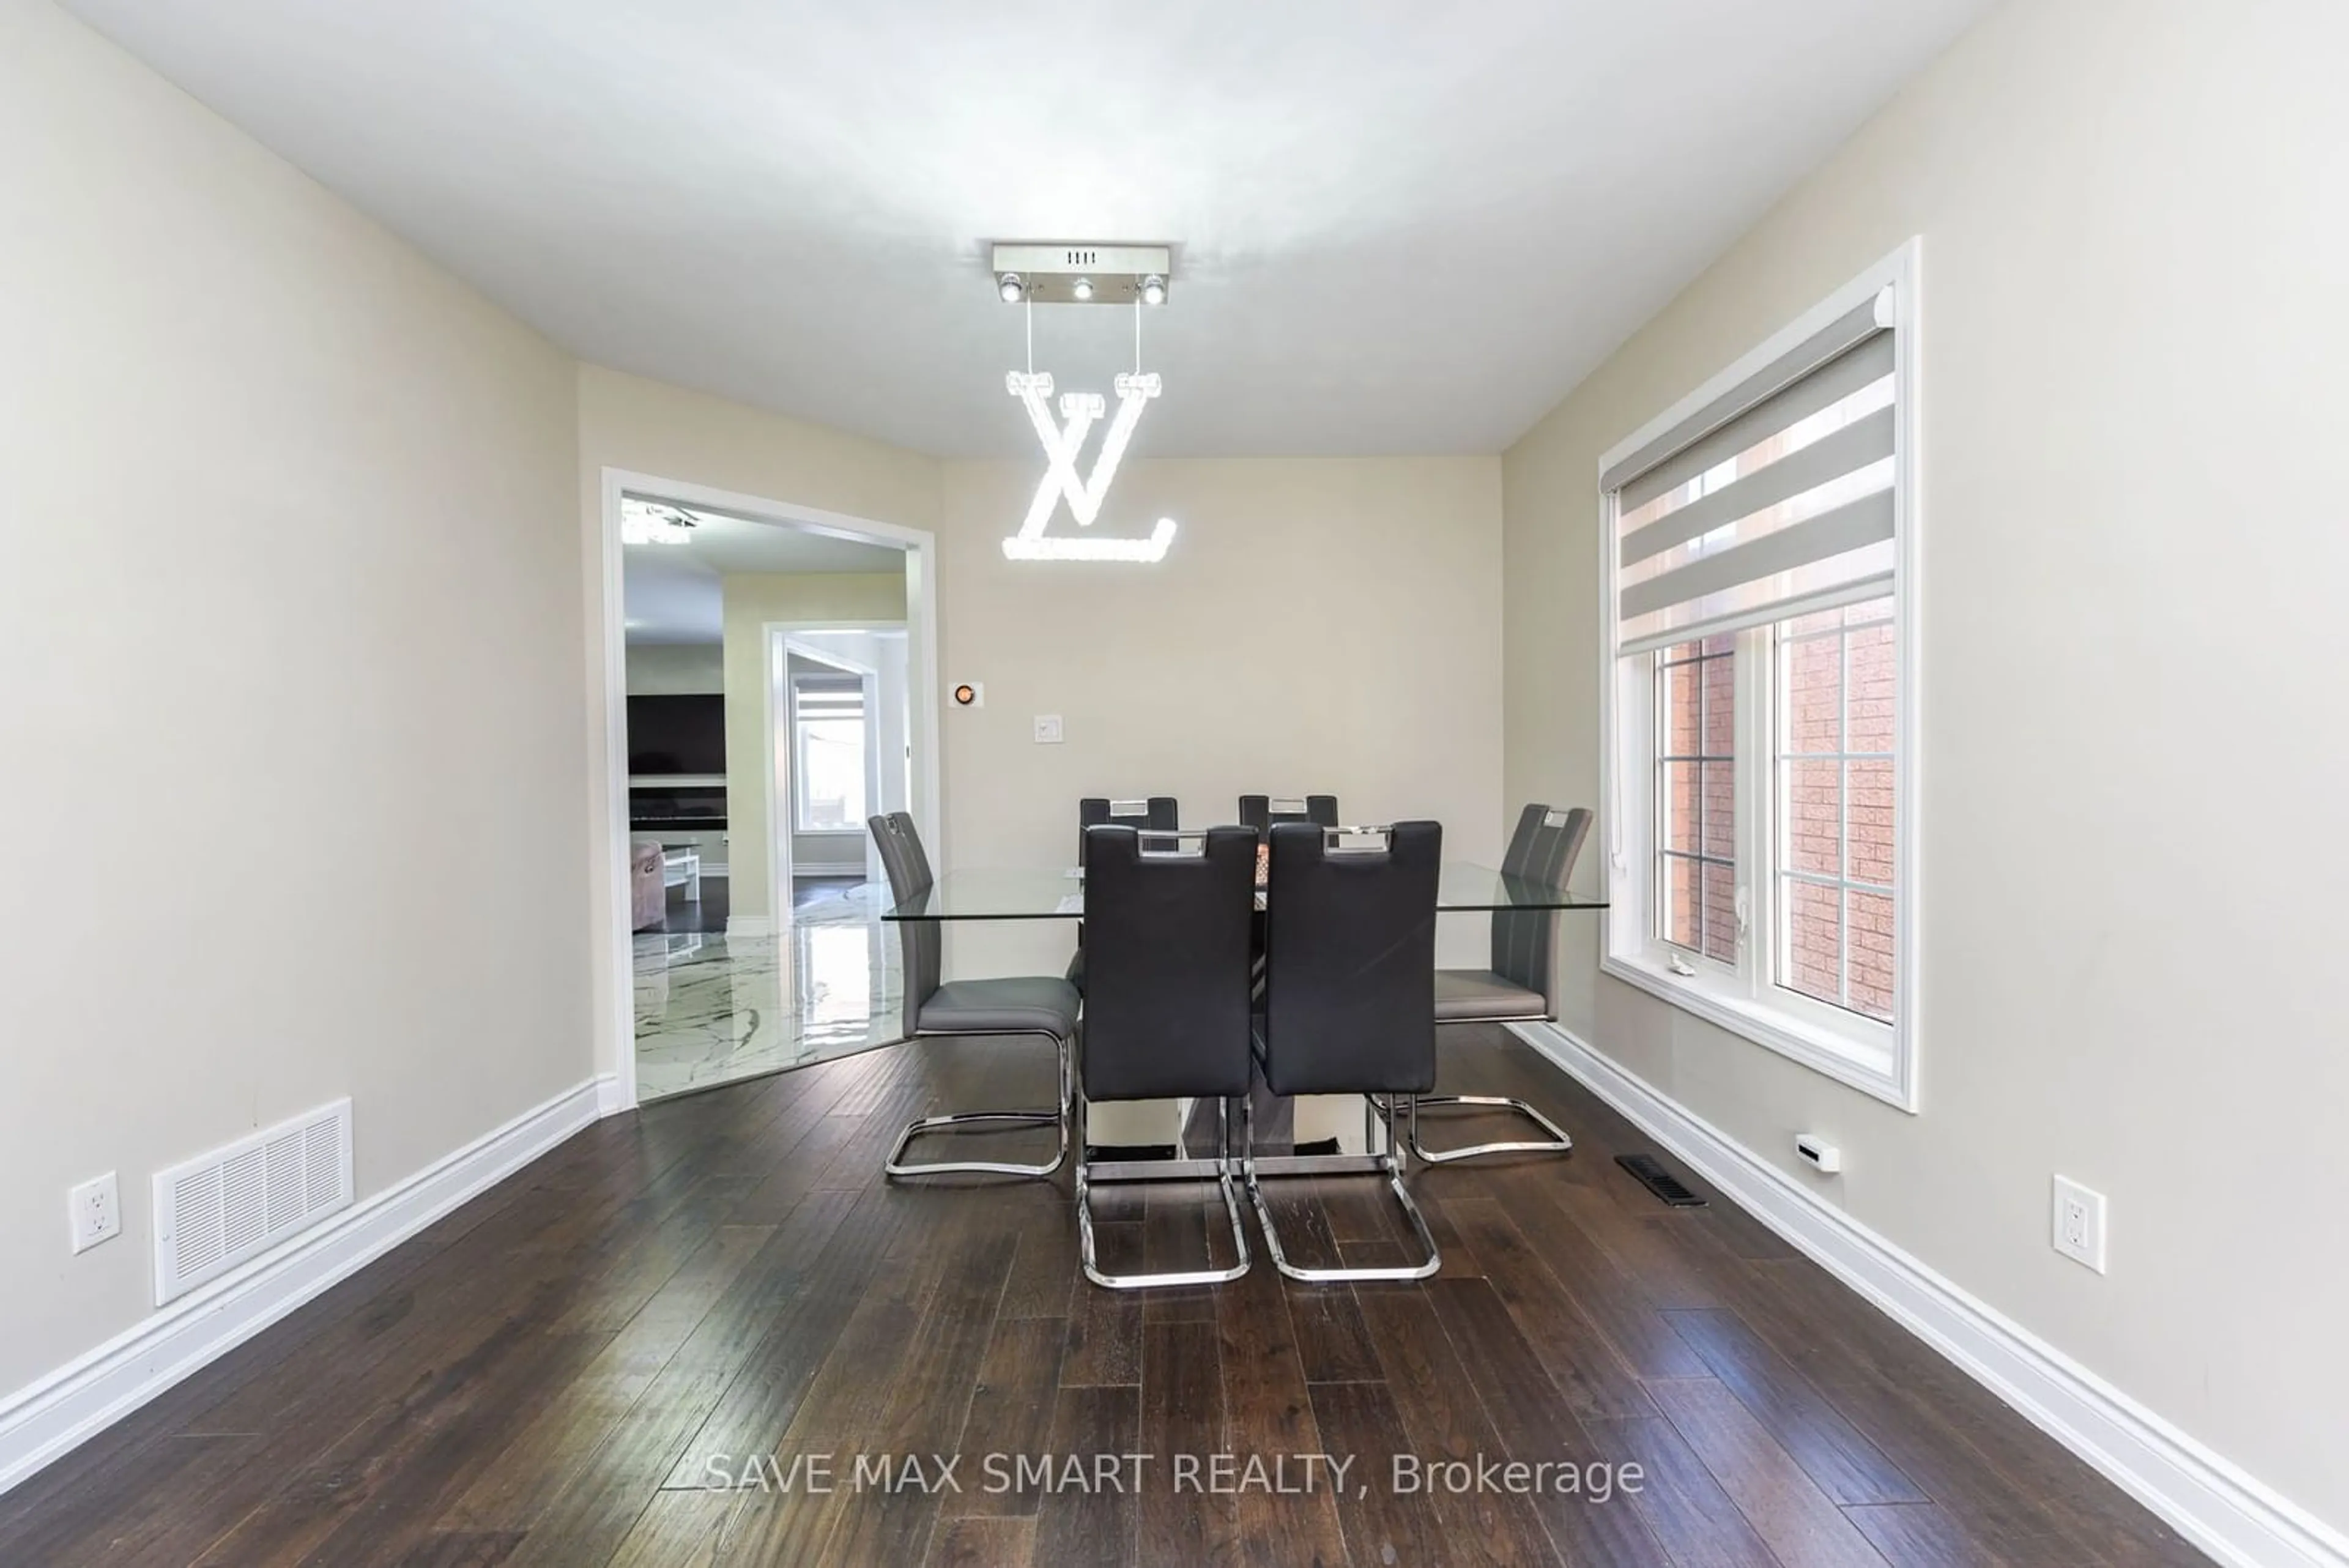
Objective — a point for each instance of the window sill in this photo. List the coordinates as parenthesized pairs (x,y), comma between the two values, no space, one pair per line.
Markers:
(1862,1064)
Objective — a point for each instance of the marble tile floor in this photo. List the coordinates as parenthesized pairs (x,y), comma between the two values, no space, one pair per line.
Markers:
(712,1008)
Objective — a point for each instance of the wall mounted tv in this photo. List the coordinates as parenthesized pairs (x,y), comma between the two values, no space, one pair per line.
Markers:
(677,734)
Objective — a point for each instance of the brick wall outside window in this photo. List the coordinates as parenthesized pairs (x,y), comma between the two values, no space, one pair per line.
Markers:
(1836,827)
(1697,784)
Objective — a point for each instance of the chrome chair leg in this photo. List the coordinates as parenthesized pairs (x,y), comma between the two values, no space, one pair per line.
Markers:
(895,1165)
(1557,1143)
(1388,1164)
(1179,1169)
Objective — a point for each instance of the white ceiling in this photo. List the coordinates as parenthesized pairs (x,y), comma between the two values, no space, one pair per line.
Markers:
(1400,227)
(671,591)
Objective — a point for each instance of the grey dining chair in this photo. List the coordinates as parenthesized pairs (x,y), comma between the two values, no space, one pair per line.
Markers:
(1158,811)
(1044,1006)
(1166,1016)
(1261,811)
(1517,988)
(1349,1002)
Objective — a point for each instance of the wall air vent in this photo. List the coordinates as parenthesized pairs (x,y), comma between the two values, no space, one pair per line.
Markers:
(221,1208)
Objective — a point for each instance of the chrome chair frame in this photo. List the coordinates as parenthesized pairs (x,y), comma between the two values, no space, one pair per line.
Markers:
(979,1121)
(1557,1143)
(1180,1168)
(1388,1163)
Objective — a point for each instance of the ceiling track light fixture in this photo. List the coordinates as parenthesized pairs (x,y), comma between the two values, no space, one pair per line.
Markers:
(1081,275)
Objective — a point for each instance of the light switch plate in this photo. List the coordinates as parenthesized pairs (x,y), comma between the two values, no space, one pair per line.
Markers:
(1047,729)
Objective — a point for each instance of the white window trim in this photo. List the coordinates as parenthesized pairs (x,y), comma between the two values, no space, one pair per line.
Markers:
(1877,1059)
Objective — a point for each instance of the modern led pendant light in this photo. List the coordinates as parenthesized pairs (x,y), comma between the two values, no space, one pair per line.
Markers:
(1134,276)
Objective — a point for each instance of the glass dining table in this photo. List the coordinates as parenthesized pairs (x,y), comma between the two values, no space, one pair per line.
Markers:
(983,894)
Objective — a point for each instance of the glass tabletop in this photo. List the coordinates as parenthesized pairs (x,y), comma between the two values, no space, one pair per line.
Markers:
(1030,895)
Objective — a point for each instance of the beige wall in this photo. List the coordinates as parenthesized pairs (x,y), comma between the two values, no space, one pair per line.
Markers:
(652,428)
(289,618)
(1320,625)
(676,670)
(753,599)
(2133,339)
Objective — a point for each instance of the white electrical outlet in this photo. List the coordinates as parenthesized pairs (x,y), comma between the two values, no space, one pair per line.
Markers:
(1047,729)
(2079,1223)
(96,1208)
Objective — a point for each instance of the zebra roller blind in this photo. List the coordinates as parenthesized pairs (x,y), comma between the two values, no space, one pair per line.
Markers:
(829,696)
(1774,500)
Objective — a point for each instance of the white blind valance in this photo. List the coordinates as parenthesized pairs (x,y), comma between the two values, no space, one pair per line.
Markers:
(1775,499)
(828,696)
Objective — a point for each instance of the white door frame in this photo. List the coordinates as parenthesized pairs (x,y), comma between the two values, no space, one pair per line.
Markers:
(608,719)
(783,638)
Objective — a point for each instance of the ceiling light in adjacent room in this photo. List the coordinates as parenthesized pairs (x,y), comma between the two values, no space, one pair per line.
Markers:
(651,523)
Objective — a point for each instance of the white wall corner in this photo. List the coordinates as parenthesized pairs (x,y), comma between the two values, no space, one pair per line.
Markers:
(2213,1502)
(48,1417)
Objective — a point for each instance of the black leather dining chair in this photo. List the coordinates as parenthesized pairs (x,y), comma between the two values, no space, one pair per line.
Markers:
(1044,1006)
(1263,812)
(1516,989)
(1158,811)
(1349,1000)
(1166,1016)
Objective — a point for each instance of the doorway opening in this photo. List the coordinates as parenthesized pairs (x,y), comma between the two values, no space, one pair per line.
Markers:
(843,749)
(771,686)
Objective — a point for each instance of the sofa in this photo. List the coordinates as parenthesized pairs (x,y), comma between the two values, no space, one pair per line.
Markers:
(647,888)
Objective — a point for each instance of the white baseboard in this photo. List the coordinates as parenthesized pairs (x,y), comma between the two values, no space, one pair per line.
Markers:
(749,925)
(46,1419)
(2213,1502)
(612,1097)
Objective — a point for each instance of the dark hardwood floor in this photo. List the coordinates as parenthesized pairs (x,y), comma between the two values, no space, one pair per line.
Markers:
(626,1353)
